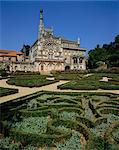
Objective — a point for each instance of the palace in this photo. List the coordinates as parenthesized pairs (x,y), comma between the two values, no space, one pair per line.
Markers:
(48,53)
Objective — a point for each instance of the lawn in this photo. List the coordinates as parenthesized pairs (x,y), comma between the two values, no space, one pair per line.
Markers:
(30,80)
(64,121)
(7,91)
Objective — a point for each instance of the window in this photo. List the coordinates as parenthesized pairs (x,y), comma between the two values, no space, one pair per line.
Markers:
(80,60)
(75,60)
(42,68)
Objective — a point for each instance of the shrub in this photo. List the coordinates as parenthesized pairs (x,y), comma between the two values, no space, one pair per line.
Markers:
(96,142)
(36,125)
(72,144)
(6,143)
(7,91)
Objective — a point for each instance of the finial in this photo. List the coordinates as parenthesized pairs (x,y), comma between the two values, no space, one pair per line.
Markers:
(41,11)
(41,14)
(78,41)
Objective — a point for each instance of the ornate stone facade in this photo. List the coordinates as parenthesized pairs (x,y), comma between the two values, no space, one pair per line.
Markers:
(52,53)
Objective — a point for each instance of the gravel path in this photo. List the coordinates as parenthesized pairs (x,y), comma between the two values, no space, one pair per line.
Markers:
(52,87)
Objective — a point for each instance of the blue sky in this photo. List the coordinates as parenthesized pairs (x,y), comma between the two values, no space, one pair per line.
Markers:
(95,22)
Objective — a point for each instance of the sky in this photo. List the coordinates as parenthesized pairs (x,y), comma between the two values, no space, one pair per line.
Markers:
(94,22)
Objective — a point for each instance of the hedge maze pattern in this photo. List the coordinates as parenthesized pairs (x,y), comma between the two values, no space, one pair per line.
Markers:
(57,119)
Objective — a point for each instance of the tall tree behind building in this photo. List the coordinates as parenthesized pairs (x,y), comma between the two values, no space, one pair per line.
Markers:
(108,53)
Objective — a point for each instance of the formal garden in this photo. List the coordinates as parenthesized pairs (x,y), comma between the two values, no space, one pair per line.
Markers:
(30,80)
(61,121)
(7,91)
(88,81)
(77,80)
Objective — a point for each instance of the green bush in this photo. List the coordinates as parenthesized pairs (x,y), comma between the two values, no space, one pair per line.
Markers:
(6,143)
(3,73)
(7,91)
(97,143)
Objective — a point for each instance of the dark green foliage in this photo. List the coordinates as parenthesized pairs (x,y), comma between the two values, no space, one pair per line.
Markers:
(96,143)
(7,91)
(7,144)
(70,75)
(3,73)
(108,53)
(65,113)
(25,50)
(92,82)
(30,80)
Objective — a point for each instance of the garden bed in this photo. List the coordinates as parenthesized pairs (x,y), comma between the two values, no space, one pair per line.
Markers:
(7,91)
(61,120)
(92,82)
(30,80)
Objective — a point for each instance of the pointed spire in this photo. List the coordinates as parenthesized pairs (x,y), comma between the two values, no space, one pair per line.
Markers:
(78,41)
(41,14)
(41,25)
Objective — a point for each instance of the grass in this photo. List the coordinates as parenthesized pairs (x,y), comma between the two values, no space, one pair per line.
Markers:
(7,91)
(30,80)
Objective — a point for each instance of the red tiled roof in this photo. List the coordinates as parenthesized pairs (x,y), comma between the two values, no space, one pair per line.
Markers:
(6,51)
(12,53)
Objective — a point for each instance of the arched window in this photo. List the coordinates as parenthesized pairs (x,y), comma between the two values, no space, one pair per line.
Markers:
(74,60)
(80,60)
(42,67)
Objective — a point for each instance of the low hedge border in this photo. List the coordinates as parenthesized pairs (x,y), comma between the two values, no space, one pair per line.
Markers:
(66,100)
(32,84)
(37,113)
(74,125)
(115,102)
(70,109)
(107,105)
(7,106)
(100,120)
(52,129)
(7,91)
(108,110)
(47,111)
(85,121)
(36,139)
(83,93)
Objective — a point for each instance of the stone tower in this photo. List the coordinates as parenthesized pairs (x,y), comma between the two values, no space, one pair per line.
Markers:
(41,25)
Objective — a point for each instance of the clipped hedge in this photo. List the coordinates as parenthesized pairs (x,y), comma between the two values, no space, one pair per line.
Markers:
(108,110)
(37,113)
(85,121)
(107,105)
(36,139)
(75,125)
(7,91)
(71,109)
(30,80)
(101,120)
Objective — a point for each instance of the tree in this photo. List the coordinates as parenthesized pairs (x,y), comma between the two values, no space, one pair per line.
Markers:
(108,53)
(25,50)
